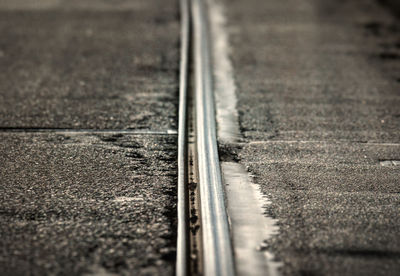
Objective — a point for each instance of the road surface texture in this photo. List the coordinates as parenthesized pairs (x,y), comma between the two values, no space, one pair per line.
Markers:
(318,87)
(78,196)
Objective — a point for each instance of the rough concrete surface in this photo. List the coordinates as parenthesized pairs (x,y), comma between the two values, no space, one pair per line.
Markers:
(318,98)
(74,204)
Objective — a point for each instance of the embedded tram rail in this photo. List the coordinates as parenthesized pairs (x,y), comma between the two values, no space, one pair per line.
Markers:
(203,243)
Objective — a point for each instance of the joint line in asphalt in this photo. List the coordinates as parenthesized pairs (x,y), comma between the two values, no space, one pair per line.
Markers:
(71,130)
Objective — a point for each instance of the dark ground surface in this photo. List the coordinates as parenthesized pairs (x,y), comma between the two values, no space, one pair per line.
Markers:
(71,65)
(318,89)
(75,203)
(392,5)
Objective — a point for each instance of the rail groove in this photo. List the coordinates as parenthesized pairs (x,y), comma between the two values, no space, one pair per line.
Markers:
(203,243)
(182,205)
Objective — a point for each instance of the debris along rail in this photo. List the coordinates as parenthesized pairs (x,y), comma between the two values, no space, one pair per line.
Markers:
(203,244)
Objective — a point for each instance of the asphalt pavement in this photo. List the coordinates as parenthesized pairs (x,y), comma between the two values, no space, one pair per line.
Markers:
(88,117)
(318,98)
(89,64)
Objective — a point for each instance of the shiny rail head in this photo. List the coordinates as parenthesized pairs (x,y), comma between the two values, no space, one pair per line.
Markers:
(217,247)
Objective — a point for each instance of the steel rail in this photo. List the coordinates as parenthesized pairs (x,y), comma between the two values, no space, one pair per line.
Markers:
(217,247)
(182,256)
(216,242)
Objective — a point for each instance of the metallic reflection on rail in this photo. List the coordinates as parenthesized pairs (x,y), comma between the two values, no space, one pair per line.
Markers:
(217,253)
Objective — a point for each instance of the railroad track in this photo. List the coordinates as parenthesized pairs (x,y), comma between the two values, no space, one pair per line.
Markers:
(203,243)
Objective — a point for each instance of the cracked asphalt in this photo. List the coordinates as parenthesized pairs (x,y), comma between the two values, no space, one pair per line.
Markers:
(80,204)
(76,200)
(318,98)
